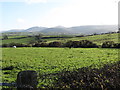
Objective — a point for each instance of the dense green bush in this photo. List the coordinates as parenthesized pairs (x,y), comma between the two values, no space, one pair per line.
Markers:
(43,44)
(75,44)
(82,44)
(105,78)
(87,44)
(36,45)
(108,44)
(117,45)
(55,44)
(68,44)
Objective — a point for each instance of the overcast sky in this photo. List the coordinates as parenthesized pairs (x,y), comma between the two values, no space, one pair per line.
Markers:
(22,14)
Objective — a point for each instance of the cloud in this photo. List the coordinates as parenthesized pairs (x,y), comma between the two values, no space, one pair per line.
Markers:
(12,0)
(20,20)
(83,13)
(35,1)
(27,1)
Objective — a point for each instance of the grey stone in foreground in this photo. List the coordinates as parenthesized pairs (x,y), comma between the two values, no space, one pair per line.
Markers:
(27,79)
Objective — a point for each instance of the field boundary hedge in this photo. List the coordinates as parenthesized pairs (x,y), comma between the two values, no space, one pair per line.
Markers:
(69,44)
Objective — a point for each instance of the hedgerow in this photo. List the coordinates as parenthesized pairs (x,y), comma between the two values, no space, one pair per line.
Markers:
(73,44)
(105,78)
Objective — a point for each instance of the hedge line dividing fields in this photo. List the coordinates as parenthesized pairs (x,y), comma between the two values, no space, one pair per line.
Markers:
(49,62)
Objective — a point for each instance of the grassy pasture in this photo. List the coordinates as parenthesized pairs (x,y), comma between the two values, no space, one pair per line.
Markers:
(53,60)
(23,40)
(98,39)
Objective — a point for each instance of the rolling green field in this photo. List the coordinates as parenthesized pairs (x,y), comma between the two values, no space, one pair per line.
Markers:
(98,39)
(53,60)
(23,40)
(50,61)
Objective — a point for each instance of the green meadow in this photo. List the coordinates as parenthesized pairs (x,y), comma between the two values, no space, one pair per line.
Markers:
(53,60)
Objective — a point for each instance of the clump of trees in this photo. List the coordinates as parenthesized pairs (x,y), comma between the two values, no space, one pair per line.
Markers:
(87,44)
(81,44)
(55,44)
(43,44)
(5,37)
(110,44)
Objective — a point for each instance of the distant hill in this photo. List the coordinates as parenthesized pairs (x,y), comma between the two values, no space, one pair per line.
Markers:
(89,29)
(35,29)
(94,29)
(15,30)
(56,30)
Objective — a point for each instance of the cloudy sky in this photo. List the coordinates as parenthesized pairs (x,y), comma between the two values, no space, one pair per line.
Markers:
(22,14)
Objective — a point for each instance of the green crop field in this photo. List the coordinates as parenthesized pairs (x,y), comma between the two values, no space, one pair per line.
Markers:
(53,60)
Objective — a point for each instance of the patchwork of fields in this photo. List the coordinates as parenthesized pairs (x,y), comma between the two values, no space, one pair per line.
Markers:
(53,60)
(98,39)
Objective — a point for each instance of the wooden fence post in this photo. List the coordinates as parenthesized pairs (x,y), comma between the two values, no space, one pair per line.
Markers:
(27,80)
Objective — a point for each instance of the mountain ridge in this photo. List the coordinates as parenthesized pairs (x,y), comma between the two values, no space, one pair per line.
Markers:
(87,29)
